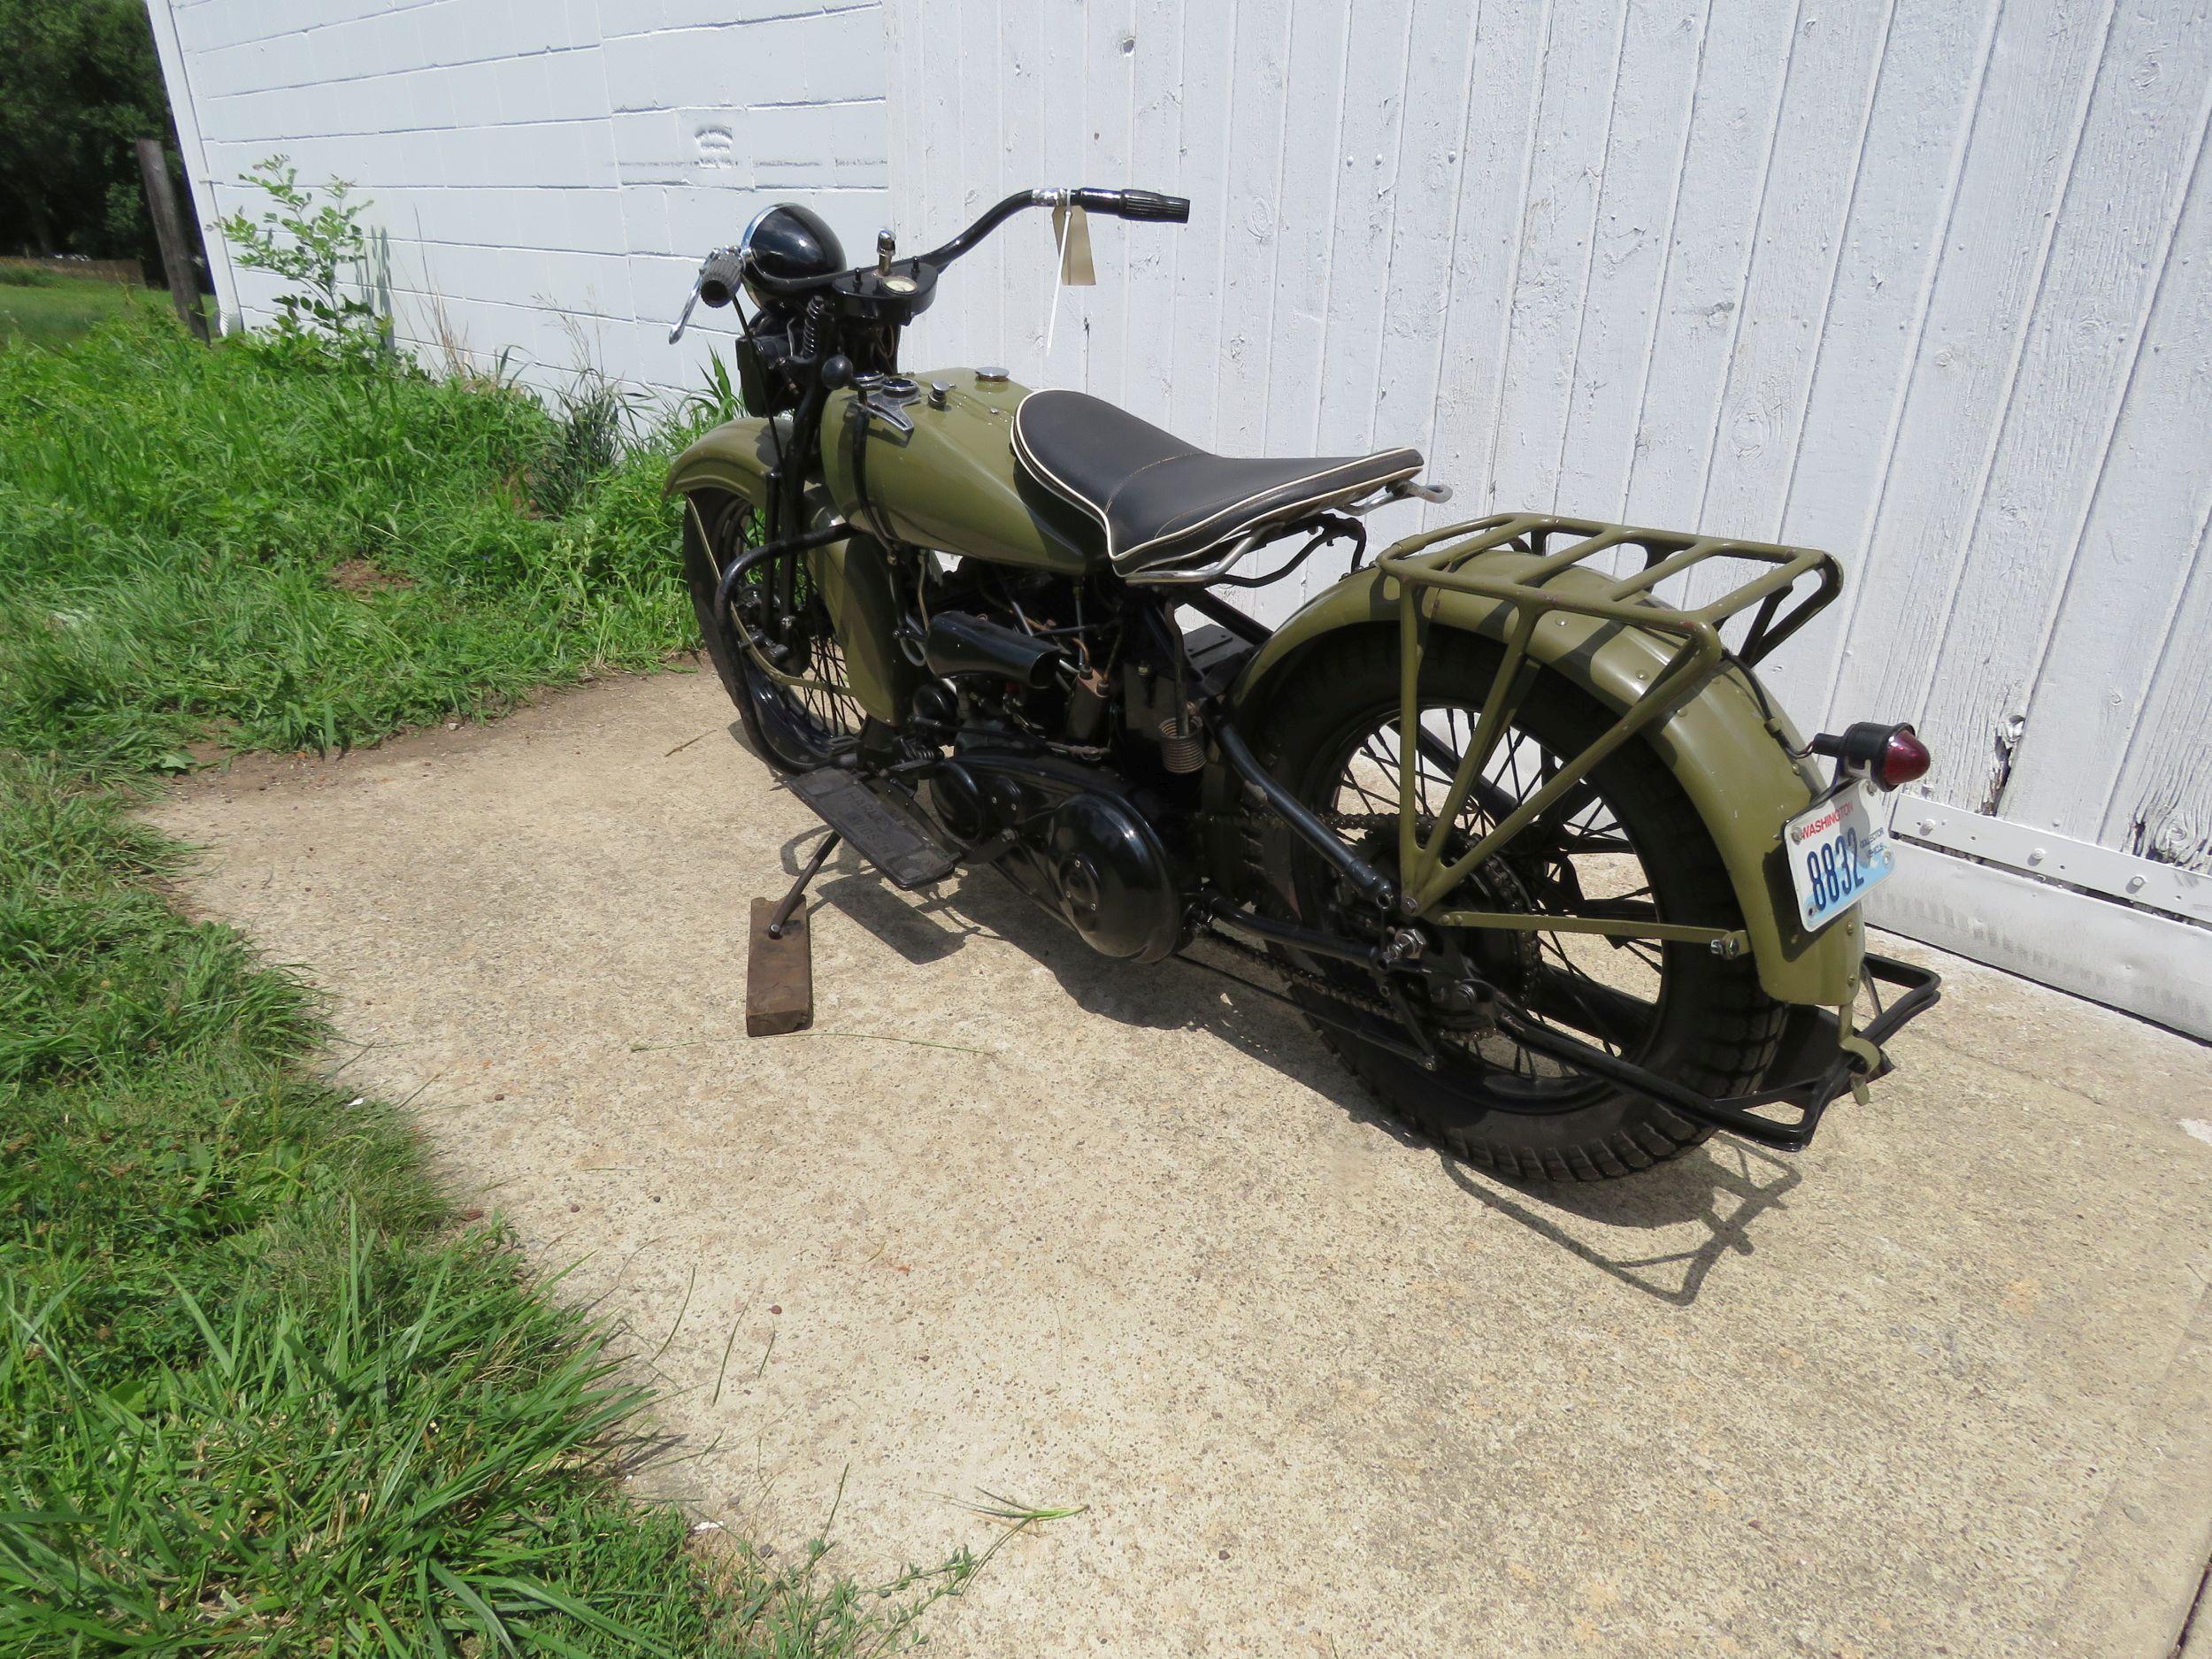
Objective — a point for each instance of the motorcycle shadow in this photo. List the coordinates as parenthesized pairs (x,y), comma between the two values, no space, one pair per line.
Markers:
(1709,1198)
(1720,1188)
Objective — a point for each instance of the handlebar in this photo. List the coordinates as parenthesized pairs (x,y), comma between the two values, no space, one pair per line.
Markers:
(1141,204)
(722,272)
(721,276)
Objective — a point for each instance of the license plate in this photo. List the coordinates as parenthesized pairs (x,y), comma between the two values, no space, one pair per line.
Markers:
(1838,851)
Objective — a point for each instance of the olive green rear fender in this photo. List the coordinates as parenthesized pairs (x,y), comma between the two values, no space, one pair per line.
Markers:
(734,459)
(1733,764)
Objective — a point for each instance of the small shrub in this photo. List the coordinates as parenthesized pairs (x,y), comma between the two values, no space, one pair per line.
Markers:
(314,246)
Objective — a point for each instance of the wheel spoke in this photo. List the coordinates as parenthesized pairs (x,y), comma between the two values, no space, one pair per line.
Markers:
(1644,954)
(1580,845)
(1576,859)
(1563,996)
(826,716)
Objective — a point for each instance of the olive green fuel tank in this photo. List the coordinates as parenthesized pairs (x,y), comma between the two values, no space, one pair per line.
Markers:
(952,483)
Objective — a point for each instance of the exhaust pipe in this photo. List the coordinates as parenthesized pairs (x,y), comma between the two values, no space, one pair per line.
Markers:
(958,643)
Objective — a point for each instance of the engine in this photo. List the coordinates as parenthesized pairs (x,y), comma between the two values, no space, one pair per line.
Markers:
(1062,770)
(1073,843)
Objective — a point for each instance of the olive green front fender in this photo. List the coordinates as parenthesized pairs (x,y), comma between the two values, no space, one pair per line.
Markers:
(735,458)
(1732,761)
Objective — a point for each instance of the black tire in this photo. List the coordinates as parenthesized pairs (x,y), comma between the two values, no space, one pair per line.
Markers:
(792,730)
(1710,1027)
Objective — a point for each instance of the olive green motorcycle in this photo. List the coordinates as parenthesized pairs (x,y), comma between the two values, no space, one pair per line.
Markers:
(1526,841)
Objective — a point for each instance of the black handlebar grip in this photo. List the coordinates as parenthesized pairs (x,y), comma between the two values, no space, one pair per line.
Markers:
(1173,210)
(720,276)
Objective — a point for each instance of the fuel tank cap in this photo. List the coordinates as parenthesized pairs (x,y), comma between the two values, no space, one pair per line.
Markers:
(989,376)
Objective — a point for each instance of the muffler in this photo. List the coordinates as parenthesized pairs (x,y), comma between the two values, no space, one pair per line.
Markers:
(958,643)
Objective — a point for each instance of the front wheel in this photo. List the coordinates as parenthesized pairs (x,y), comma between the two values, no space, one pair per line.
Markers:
(800,714)
(1627,843)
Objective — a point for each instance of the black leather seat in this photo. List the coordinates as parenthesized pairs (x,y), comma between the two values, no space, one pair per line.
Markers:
(1162,502)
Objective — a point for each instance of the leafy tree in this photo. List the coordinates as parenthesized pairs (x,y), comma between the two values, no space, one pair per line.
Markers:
(79,81)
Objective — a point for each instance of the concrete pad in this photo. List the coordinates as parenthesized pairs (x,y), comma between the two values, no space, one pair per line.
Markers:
(1939,1385)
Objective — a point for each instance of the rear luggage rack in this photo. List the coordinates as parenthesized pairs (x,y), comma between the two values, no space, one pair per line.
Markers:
(1523,575)
(1667,553)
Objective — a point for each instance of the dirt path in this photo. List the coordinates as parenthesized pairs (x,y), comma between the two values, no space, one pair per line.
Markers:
(1933,1387)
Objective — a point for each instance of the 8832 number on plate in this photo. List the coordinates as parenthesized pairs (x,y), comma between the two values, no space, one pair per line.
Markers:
(1838,851)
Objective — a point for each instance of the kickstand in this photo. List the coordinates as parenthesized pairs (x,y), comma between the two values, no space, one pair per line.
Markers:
(779,971)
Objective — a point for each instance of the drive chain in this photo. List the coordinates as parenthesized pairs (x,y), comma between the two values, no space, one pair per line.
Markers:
(1358,824)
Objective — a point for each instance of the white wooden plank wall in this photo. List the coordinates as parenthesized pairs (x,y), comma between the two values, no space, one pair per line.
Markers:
(1927,282)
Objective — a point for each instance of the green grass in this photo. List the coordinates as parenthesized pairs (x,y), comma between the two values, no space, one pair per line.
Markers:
(172,519)
(260,1392)
(43,308)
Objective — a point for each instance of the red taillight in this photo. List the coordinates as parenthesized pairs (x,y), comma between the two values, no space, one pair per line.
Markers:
(1904,757)
(1887,755)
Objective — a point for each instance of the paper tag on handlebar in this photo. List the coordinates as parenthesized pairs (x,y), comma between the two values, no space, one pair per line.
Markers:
(1072,232)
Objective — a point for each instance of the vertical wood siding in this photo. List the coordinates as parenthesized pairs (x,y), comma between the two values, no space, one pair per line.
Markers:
(1927,282)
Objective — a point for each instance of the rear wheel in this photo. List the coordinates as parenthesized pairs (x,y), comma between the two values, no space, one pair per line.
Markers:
(807,717)
(1627,843)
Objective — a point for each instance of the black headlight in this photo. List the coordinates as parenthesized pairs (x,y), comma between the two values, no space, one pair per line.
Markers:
(789,244)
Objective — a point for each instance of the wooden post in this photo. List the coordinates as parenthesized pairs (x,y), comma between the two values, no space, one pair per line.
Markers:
(176,247)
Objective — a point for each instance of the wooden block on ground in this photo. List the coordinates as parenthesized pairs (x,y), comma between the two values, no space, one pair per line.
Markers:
(778,975)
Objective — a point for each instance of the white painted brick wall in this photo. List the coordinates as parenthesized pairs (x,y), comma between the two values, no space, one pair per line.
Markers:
(544,173)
